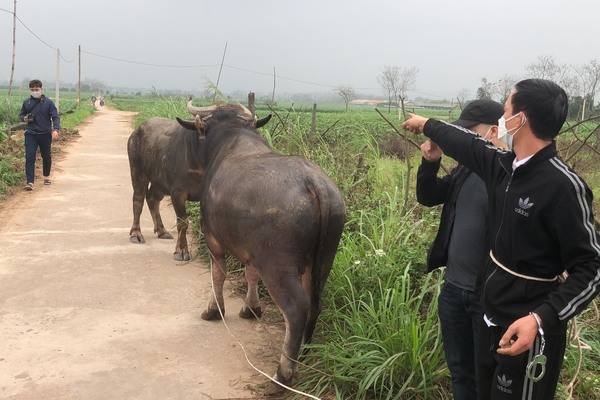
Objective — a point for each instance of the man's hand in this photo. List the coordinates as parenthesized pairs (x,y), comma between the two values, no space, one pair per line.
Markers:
(524,329)
(431,151)
(54,134)
(415,123)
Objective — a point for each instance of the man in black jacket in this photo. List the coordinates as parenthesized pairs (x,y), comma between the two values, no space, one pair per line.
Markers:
(460,245)
(541,224)
(43,125)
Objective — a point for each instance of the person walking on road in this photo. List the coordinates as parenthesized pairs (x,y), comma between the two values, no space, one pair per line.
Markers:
(460,245)
(43,124)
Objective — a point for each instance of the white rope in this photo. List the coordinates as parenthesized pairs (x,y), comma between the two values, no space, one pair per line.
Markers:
(242,346)
(530,278)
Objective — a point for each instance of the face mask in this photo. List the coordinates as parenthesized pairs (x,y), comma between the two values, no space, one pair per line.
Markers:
(504,134)
(487,133)
(36,95)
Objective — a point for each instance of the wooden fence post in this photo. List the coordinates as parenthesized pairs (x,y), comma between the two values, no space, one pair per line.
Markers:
(251,103)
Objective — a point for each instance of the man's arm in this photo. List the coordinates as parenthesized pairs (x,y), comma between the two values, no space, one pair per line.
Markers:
(55,120)
(22,113)
(431,190)
(461,144)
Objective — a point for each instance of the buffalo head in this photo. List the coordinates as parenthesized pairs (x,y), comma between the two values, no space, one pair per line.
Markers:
(230,110)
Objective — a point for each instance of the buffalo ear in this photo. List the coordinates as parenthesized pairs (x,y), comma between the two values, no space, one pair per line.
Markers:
(262,122)
(200,125)
(196,125)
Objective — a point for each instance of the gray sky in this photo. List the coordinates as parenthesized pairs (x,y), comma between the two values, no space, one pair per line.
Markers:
(314,45)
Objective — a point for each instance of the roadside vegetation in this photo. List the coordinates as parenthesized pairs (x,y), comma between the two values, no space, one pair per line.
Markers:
(378,336)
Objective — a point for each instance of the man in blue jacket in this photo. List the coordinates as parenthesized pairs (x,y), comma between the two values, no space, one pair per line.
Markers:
(460,245)
(43,124)
(540,224)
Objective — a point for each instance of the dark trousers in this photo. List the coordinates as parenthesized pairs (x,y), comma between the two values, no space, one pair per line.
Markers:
(32,142)
(505,377)
(460,318)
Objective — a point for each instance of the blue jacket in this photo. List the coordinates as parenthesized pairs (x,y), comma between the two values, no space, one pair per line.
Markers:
(45,115)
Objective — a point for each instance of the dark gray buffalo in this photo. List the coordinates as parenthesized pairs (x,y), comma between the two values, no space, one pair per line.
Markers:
(281,216)
(164,159)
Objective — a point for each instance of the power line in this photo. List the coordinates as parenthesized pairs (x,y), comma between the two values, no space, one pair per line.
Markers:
(36,36)
(196,66)
(148,64)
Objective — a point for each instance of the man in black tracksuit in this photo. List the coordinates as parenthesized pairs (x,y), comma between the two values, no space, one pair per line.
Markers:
(460,245)
(540,224)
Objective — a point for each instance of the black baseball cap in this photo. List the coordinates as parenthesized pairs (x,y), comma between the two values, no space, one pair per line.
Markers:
(480,112)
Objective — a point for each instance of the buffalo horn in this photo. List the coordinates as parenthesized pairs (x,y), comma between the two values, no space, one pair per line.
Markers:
(201,111)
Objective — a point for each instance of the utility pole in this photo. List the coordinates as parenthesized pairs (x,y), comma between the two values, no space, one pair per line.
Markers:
(57,81)
(274,82)
(12,66)
(79,79)
(219,77)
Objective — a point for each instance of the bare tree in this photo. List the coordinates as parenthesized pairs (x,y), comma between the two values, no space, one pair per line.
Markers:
(462,97)
(589,77)
(408,76)
(484,92)
(346,93)
(546,68)
(502,88)
(390,81)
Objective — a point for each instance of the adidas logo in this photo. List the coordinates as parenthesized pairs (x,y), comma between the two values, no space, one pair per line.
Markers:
(523,205)
(504,384)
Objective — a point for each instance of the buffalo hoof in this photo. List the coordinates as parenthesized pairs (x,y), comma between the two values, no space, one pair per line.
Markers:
(274,389)
(165,235)
(250,313)
(181,256)
(137,239)
(211,315)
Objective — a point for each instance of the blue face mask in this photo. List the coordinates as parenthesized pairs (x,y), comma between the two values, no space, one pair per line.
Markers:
(508,139)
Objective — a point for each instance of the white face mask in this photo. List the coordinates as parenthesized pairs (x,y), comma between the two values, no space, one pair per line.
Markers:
(487,133)
(36,95)
(504,134)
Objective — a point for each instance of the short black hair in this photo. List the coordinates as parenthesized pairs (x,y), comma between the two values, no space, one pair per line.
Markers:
(544,103)
(35,83)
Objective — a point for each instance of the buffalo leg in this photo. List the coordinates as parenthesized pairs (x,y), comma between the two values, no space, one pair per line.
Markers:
(153,198)
(182,252)
(286,291)
(314,310)
(252,307)
(140,188)
(219,273)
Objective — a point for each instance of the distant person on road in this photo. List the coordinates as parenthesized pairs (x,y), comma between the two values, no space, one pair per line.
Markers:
(93,101)
(460,245)
(43,124)
(541,225)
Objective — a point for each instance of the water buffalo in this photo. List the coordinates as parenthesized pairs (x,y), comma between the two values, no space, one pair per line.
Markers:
(164,159)
(281,216)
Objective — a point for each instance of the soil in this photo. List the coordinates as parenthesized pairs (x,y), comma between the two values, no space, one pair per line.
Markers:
(85,314)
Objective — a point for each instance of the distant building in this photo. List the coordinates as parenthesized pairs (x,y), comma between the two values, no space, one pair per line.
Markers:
(428,105)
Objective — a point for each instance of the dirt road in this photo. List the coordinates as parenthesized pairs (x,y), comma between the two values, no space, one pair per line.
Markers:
(85,314)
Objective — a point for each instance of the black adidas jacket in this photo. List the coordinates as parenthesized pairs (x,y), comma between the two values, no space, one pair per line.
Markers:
(540,223)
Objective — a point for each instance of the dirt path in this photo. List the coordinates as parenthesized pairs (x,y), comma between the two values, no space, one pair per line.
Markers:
(85,314)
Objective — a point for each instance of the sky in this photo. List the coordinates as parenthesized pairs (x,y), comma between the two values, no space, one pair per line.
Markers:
(310,46)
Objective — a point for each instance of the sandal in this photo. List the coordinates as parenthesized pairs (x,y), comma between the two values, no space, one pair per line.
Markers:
(29,186)
(47,181)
